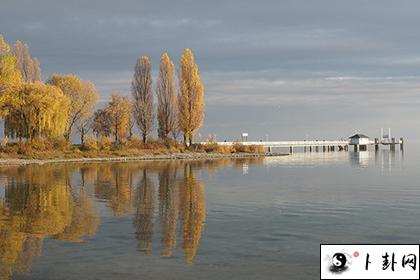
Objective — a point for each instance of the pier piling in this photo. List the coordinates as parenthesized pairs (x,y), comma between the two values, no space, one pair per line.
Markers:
(392,145)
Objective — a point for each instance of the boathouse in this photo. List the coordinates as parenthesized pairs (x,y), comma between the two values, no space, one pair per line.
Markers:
(359,139)
(359,142)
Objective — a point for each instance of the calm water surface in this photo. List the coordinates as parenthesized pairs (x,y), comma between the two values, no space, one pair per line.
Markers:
(221,219)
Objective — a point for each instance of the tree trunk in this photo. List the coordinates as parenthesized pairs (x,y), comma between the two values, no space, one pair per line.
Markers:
(144,138)
(82,136)
(67,134)
(190,141)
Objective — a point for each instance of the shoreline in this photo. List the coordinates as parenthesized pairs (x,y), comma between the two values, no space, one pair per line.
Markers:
(178,156)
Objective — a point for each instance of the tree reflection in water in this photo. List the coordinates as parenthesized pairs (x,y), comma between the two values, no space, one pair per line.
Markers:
(59,201)
(143,218)
(168,208)
(39,202)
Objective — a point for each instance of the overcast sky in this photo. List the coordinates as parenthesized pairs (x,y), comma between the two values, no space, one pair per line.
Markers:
(289,69)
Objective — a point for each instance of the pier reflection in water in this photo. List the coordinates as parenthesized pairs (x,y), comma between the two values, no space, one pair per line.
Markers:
(386,160)
(383,159)
(61,202)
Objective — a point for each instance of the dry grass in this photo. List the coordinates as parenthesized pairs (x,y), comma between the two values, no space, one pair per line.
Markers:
(42,148)
(240,148)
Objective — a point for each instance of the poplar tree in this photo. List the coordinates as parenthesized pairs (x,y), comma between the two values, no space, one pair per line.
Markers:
(191,99)
(141,90)
(29,67)
(167,97)
(10,77)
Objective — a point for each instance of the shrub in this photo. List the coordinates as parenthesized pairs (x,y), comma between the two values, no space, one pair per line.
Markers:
(155,144)
(240,148)
(104,143)
(59,143)
(198,148)
(90,144)
(38,144)
(211,148)
(256,149)
(134,143)
(41,144)
(174,144)
(224,149)
(4,141)
(215,148)
(23,148)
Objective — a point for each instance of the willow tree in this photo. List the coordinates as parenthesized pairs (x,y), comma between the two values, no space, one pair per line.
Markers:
(37,110)
(28,66)
(167,96)
(83,98)
(119,112)
(141,90)
(10,77)
(191,98)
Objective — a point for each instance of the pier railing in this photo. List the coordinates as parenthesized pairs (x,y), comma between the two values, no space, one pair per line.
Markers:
(303,143)
(326,145)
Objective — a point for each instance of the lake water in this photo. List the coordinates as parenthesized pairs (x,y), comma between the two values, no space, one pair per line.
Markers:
(218,219)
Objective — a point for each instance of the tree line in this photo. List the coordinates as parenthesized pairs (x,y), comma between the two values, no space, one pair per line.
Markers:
(65,104)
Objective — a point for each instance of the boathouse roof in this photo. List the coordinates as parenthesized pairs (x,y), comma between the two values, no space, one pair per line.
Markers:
(358,136)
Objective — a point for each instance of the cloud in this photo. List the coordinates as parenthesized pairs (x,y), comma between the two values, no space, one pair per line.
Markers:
(281,59)
(387,92)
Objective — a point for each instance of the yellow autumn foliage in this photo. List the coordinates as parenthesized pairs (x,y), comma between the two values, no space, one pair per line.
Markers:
(37,205)
(37,110)
(191,99)
(82,96)
(10,77)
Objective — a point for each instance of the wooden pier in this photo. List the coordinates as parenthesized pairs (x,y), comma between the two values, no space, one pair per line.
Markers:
(358,141)
(307,145)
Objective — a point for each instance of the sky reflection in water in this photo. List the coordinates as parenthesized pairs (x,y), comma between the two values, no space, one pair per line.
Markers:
(245,217)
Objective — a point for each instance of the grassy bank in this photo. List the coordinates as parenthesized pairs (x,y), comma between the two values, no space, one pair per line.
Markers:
(49,149)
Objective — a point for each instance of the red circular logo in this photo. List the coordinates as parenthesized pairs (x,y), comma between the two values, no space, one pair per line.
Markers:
(355,254)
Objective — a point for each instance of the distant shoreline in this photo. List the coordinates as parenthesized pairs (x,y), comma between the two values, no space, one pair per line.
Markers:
(178,156)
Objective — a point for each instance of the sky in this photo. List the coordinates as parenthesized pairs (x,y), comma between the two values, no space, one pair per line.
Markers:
(278,70)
